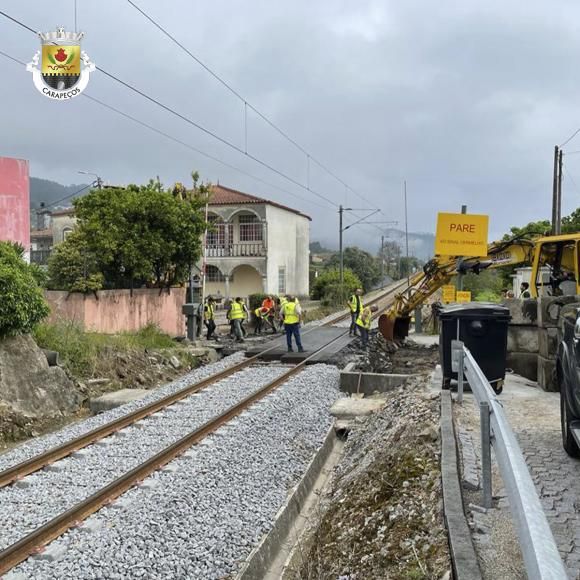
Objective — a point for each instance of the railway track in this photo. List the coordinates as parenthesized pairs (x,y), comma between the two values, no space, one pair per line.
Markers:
(26,544)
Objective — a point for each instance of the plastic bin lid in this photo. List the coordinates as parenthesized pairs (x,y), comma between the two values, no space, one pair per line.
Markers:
(475,310)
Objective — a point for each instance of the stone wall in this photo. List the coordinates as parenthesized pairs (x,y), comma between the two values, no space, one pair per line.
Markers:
(522,346)
(113,311)
(533,337)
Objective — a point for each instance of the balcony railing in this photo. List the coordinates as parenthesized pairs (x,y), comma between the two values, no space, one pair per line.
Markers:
(40,257)
(242,250)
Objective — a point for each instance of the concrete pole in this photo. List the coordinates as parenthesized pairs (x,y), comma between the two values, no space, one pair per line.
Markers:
(555,192)
(340,229)
(559,203)
(382,260)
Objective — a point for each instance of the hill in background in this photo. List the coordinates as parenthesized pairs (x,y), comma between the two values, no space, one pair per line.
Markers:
(44,190)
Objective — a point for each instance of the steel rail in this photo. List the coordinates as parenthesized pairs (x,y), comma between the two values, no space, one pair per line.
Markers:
(33,542)
(28,466)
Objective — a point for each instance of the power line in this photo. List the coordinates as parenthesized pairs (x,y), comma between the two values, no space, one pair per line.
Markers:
(199,151)
(193,123)
(70,195)
(571,178)
(570,138)
(246,103)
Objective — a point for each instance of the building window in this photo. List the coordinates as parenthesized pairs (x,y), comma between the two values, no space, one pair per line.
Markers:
(66,232)
(216,236)
(282,280)
(213,274)
(250,228)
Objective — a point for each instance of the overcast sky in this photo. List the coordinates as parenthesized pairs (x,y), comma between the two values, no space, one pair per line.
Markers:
(464,100)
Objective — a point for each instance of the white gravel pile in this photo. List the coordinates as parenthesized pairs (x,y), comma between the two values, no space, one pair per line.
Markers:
(57,488)
(35,446)
(203,519)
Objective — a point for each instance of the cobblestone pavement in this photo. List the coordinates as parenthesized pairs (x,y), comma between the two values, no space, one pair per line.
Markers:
(535,418)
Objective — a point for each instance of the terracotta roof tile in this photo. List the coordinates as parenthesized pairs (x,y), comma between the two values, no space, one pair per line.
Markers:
(65,211)
(226,196)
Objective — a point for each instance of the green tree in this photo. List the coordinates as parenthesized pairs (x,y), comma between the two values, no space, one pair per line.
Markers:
(364,265)
(390,255)
(328,283)
(22,305)
(73,267)
(408,266)
(540,228)
(134,236)
(571,223)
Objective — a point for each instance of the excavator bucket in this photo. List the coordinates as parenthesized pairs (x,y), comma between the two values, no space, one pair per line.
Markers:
(394,329)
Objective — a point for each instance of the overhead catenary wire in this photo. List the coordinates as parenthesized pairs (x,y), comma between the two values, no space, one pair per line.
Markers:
(186,119)
(189,121)
(246,103)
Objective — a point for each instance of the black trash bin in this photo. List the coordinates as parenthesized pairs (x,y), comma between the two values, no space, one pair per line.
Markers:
(483,329)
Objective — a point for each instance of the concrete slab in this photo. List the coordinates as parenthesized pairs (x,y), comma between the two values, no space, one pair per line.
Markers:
(116,399)
(348,408)
(369,383)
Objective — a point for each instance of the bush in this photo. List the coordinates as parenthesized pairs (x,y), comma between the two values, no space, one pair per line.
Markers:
(487,296)
(329,281)
(80,351)
(22,304)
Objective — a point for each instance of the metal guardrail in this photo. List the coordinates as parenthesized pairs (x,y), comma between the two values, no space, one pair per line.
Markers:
(540,552)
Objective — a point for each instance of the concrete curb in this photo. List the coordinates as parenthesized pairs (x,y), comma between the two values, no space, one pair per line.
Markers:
(464,559)
(260,560)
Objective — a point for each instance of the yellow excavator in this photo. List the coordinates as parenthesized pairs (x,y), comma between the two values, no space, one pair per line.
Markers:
(555,271)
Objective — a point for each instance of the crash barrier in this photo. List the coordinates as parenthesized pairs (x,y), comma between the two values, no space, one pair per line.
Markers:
(540,552)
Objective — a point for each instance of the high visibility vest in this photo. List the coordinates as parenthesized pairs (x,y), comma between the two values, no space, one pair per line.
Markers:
(364,318)
(208,312)
(237,311)
(354,303)
(260,312)
(289,312)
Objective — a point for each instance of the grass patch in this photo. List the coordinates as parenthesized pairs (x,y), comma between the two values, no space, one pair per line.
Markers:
(80,351)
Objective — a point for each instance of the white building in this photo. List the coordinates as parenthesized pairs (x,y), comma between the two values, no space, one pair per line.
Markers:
(255,245)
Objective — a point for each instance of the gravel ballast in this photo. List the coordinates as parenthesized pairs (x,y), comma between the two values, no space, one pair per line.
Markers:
(45,494)
(203,516)
(41,444)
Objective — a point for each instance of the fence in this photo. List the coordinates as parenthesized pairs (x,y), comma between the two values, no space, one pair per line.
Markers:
(242,250)
(540,552)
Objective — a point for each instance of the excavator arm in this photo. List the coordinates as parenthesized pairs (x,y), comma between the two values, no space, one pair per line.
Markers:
(394,323)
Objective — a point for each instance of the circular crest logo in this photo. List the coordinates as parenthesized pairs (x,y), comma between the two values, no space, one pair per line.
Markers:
(64,70)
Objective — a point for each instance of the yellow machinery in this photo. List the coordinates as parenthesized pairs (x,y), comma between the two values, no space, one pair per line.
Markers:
(554,258)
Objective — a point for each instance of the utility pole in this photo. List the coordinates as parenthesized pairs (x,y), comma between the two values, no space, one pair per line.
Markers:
(382,259)
(555,192)
(340,229)
(406,234)
(559,205)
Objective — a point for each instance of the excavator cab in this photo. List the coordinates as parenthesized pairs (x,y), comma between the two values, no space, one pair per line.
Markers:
(555,266)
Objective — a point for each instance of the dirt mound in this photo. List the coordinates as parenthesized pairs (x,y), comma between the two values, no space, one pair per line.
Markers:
(383,517)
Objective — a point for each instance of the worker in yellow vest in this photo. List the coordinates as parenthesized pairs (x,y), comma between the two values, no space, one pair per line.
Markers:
(355,306)
(291,315)
(236,314)
(364,321)
(209,318)
(261,314)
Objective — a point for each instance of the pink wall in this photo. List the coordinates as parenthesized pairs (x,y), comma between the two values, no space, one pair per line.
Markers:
(118,311)
(14,201)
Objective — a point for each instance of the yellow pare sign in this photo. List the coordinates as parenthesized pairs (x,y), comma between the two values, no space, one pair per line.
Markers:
(461,234)
(463,296)
(448,293)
